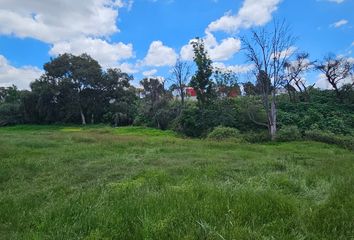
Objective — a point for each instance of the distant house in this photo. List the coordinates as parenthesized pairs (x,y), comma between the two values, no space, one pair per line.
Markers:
(191,93)
(225,92)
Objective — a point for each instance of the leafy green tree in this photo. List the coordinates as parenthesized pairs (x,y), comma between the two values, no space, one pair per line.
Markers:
(154,107)
(11,110)
(249,89)
(201,81)
(118,97)
(226,83)
(82,74)
(9,94)
(45,96)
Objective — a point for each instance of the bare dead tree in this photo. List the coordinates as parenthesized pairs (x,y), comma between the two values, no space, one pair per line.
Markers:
(337,71)
(269,51)
(181,74)
(294,74)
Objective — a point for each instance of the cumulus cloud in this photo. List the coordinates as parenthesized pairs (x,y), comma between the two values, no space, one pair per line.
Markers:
(21,77)
(340,23)
(252,13)
(160,55)
(222,51)
(69,26)
(187,53)
(107,54)
(54,21)
(127,68)
(225,50)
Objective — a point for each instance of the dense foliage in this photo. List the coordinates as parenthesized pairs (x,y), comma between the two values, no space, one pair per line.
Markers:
(75,90)
(224,133)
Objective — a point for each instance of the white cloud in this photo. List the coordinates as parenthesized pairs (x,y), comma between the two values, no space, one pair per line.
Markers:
(160,55)
(222,51)
(107,54)
(127,68)
(70,26)
(252,13)
(21,77)
(340,23)
(244,68)
(55,21)
(150,73)
(225,50)
(186,52)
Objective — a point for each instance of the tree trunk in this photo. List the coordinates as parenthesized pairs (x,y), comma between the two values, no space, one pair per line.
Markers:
(273,120)
(182,96)
(83,119)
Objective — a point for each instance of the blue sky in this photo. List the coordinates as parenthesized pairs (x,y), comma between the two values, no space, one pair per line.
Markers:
(145,37)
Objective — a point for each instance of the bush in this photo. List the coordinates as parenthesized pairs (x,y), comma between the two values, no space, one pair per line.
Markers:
(257,137)
(331,138)
(190,122)
(10,113)
(224,133)
(288,133)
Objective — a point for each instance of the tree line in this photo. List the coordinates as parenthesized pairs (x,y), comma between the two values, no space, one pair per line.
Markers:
(75,89)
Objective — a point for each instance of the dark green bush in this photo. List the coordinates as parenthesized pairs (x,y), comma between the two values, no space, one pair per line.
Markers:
(190,122)
(322,110)
(224,133)
(10,113)
(257,137)
(158,115)
(330,138)
(335,124)
(288,133)
(197,122)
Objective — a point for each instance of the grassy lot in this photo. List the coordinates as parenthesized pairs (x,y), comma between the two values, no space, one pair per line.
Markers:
(136,183)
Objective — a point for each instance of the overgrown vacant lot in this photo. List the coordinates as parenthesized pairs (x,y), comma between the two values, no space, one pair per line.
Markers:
(134,183)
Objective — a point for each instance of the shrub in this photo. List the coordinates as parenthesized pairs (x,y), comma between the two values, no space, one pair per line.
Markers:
(335,124)
(10,113)
(330,138)
(288,133)
(190,122)
(224,133)
(257,137)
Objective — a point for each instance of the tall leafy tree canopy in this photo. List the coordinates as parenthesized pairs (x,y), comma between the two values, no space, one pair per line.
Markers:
(201,81)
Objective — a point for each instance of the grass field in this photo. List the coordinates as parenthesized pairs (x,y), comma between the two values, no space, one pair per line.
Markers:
(136,183)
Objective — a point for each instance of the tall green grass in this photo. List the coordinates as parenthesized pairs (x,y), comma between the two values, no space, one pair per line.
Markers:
(68,182)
